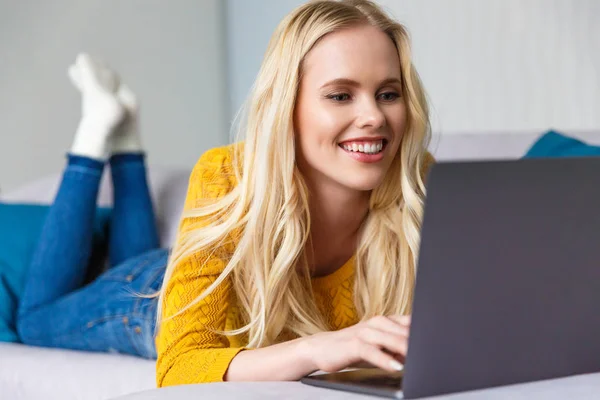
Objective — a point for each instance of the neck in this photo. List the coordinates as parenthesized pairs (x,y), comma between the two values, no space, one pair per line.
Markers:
(337,214)
(337,211)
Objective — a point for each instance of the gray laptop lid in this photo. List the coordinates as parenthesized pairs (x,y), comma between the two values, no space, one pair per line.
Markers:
(508,280)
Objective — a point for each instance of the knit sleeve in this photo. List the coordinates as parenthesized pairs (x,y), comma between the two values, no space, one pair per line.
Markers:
(188,352)
(427,164)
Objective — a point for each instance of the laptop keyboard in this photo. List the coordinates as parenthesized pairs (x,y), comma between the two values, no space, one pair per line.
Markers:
(385,381)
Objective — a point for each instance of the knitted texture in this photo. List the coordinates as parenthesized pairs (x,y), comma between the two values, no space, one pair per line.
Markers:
(188,352)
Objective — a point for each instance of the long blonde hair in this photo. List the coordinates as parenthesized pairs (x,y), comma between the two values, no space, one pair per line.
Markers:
(268,208)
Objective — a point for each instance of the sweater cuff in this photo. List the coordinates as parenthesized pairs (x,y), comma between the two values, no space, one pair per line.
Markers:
(221,363)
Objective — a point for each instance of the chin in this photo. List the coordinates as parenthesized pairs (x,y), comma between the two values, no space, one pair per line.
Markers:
(364,183)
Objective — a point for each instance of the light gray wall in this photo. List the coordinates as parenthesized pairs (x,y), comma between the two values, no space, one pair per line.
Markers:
(489,66)
(171,53)
(498,65)
(507,65)
(249,28)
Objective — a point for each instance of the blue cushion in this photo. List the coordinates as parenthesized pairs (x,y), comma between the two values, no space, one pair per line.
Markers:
(554,144)
(20,227)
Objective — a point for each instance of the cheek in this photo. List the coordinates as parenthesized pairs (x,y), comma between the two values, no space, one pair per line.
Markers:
(319,125)
(397,120)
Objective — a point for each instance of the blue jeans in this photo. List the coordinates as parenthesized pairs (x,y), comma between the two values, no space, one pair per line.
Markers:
(57,308)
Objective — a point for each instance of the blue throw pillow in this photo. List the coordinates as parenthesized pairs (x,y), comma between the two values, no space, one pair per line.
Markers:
(554,144)
(20,227)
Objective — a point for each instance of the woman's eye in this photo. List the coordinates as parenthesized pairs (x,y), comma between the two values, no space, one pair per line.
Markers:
(389,96)
(339,97)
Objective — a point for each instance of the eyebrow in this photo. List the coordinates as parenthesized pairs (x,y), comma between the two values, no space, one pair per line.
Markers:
(350,82)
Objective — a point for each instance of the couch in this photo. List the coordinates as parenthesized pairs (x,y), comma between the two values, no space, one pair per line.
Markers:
(37,373)
(28,373)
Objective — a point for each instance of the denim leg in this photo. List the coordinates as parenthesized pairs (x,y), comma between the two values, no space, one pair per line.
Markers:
(60,259)
(108,315)
(133,226)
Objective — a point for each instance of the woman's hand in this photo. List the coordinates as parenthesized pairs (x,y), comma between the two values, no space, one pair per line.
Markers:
(381,342)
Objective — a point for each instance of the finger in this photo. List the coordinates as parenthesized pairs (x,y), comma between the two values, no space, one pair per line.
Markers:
(388,325)
(375,356)
(397,344)
(361,364)
(404,320)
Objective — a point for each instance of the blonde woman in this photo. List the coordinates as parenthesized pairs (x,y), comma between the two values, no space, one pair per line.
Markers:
(297,247)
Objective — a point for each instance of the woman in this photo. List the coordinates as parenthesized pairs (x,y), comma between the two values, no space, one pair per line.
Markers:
(300,243)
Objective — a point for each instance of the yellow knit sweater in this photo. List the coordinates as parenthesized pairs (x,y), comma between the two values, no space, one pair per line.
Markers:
(187,351)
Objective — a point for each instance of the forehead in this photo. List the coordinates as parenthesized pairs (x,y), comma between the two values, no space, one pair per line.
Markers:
(359,52)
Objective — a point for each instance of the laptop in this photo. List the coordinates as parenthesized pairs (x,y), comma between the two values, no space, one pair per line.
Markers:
(508,280)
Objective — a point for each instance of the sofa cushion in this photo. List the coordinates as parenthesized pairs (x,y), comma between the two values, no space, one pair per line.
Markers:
(555,144)
(32,373)
(20,226)
(492,145)
(168,188)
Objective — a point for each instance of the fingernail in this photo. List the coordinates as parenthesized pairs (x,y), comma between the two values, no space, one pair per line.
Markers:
(396,365)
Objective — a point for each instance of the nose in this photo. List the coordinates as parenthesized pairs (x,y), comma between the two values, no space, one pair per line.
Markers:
(369,114)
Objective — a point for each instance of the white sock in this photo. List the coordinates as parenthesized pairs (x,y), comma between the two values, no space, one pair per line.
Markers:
(101,110)
(126,139)
(91,140)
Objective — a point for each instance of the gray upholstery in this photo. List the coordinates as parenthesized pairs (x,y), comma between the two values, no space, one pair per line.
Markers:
(32,373)
(168,187)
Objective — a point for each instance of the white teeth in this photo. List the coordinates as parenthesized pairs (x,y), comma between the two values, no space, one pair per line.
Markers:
(372,148)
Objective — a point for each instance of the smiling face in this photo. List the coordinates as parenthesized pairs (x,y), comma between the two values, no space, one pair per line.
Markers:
(350,114)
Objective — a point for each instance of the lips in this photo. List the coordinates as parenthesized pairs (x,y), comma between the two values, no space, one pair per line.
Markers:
(371,154)
(365,140)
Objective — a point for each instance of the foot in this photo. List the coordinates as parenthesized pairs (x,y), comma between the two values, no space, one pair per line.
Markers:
(101,109)
(126,138)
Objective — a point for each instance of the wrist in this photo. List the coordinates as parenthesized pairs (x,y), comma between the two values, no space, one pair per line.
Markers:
(305,355)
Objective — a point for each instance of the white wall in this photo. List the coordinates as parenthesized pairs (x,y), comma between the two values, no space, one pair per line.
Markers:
(488,65)
(249,28)
(507,65)
(170,53)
